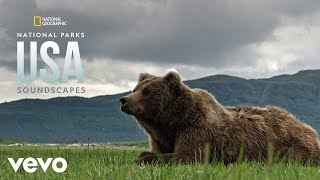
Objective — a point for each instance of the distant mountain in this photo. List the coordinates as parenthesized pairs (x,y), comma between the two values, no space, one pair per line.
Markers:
(75,119)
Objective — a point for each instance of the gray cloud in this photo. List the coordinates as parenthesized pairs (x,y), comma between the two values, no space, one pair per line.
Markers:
(197,38)
(185,32)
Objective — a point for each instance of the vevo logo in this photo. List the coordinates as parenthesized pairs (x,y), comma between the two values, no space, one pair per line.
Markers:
(30,164)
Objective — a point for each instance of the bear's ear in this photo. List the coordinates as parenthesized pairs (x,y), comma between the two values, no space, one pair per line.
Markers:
(144,76)
(172,79)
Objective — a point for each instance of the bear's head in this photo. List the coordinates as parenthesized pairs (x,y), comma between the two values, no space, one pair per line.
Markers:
(152,95)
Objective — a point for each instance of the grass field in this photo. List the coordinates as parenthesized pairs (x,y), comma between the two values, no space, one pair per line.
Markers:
(119,164)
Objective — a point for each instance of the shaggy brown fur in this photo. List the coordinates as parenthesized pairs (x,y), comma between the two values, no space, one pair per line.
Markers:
(180,121)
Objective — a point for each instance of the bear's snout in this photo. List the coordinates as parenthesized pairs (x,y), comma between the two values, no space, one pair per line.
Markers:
(124,105)
(123,101)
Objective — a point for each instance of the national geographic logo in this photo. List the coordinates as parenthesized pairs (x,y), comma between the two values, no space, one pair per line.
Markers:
(48,21)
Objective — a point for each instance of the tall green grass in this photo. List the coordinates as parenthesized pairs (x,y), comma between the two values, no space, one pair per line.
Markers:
(119,164)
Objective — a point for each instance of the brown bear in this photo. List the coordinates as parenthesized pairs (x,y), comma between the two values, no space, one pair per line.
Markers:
(181,122)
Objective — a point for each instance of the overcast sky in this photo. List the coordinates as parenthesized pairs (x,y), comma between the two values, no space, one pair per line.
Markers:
(246,38)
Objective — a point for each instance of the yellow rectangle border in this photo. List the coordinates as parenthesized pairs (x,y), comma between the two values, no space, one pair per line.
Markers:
(34,20)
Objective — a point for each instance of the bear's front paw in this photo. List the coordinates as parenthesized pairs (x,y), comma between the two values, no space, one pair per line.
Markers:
(147,159)
(145,153)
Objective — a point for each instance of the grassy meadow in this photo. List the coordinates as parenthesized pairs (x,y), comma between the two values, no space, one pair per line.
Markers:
(103,163)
